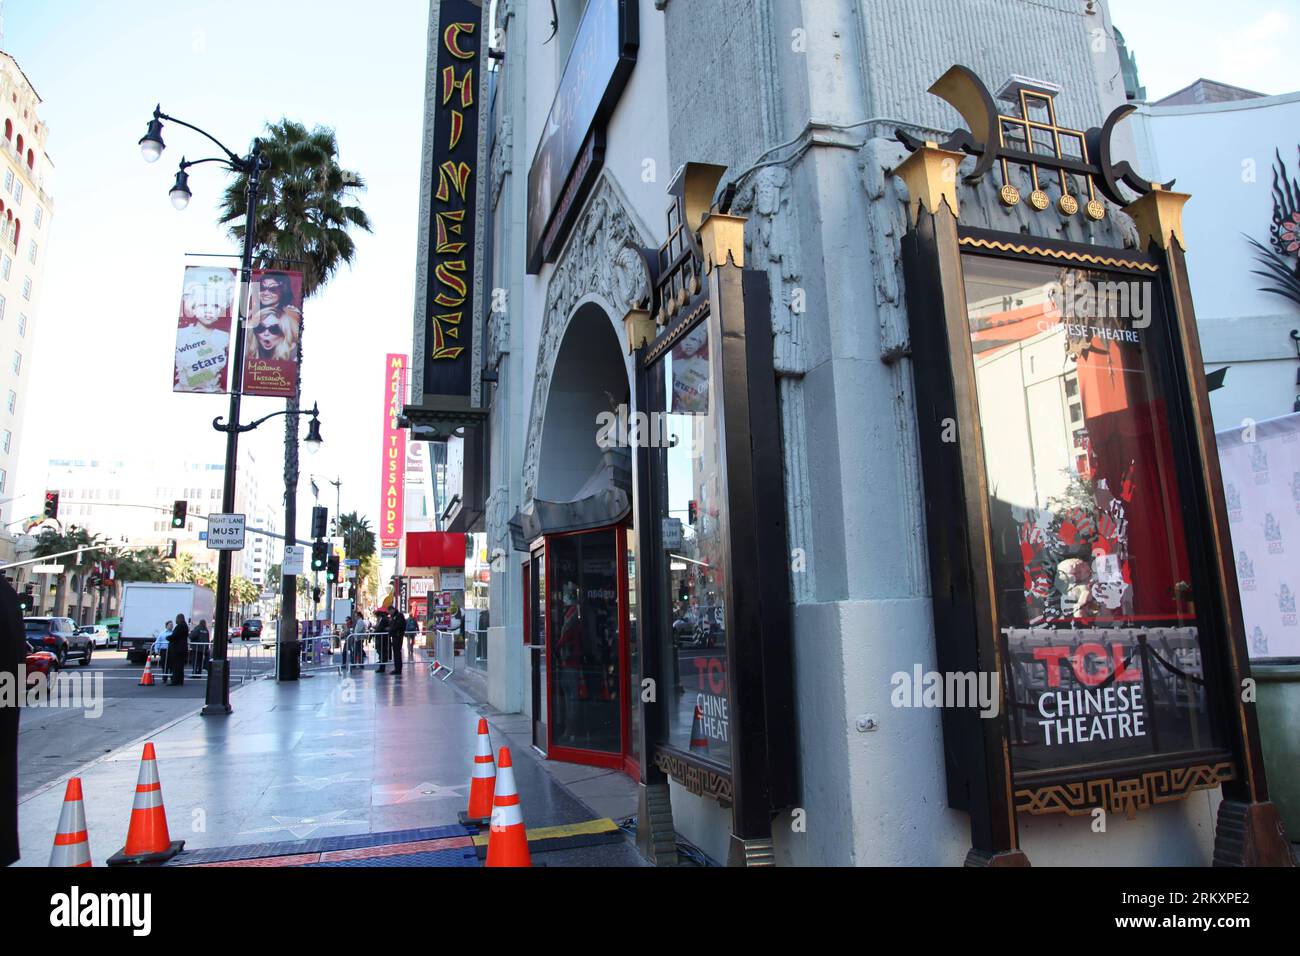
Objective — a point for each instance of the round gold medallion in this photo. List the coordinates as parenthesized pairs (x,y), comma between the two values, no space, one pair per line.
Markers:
(1067,204)
(1038,199)
(1009,195)
(1095,210)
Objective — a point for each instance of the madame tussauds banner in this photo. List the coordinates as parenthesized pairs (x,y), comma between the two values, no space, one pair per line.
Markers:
(1261,483)
(203,332)
(273,341)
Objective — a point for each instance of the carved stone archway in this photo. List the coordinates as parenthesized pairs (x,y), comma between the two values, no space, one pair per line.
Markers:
(599,263)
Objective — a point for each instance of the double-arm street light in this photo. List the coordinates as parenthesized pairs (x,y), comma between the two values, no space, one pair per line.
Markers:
(251,166)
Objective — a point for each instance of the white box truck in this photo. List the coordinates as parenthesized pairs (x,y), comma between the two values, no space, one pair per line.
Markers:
(145,606)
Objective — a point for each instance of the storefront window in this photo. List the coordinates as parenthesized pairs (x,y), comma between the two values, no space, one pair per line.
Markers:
(1095,599)
(633,651)
(694,647)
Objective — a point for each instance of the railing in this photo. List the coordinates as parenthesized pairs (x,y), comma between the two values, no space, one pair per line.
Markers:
(476,649)
(247,662)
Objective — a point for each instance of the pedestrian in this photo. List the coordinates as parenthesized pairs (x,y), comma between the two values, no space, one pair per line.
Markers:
(358,639)
(13,653)
(396,632)
(178,650)
(160,647)
(381,640)
(202,647)
(412,634)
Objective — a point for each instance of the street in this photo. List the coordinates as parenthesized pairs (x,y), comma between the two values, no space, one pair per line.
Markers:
(54,741)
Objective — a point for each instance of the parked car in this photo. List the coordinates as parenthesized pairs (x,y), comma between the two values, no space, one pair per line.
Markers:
(237,632)
(39,661)
(114,625)
(60,637)
(98,634)
(251,629)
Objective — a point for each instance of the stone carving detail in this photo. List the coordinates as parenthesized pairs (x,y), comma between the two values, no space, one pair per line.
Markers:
(498,333)
(498,518)
(886,225)
(502,150)
(771,241)
(596,261)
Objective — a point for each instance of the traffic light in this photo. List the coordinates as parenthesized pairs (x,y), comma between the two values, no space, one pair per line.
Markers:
(692,512)
(171,549)
(319,519)
(315,595)
(178,513)
(27,600)
(332,568)
(51,504)
(319,556)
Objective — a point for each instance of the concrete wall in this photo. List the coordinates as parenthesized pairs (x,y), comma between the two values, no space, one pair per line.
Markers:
(1224,155)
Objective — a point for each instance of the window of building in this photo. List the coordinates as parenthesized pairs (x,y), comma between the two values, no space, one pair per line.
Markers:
(2,308)
(9,180)
(39,216)
(31,252)
(13,401)
(18,191)
(27,288)
(6,266)
(7,440)
(18,363)
(22,325)
(4,479)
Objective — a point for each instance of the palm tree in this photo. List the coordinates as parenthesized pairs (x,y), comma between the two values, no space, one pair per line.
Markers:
(358,537)
(147,564)
(51,541)
(302,222)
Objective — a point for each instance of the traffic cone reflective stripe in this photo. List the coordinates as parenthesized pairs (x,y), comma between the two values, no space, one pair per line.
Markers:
(146,679)
(71,842)
(148,832)
(698,740)
(507,840)
(482,784)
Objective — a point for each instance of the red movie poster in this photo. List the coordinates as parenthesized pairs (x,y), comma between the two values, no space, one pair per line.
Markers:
(273,341)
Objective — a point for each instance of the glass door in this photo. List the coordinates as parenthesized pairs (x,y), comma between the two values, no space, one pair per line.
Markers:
(584,658)
(536,612)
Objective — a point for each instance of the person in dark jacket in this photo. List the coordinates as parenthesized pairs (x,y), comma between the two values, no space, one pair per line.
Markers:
(396,632)
(13,653)
(382,625)
(201,640)
(178,650)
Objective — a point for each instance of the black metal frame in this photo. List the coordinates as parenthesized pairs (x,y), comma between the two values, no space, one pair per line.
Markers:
(762,777)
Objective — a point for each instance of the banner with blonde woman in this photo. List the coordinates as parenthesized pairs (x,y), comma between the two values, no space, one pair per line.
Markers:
(273,336)
(203,331)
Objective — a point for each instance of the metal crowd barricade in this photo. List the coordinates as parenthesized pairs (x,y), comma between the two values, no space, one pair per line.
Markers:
(443,664)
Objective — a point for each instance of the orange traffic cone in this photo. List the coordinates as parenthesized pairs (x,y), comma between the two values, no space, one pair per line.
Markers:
(483,782)
(71,844)
(147,839)
(698,740)
(507,840)
(146,679)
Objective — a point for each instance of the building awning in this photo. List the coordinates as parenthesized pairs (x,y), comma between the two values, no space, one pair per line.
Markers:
(604,499)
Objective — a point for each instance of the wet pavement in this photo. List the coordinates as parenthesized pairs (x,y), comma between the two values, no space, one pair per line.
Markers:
(323,757)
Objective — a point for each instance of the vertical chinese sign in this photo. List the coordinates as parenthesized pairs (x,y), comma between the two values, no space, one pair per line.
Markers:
(394,467)
(449,283)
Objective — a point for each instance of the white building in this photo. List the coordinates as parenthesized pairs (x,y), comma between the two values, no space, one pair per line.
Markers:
(26,209)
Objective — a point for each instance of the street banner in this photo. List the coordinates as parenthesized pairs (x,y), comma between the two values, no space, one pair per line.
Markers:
(394,465)
(1261,486)
(273,340)
(449,290)
(203,331)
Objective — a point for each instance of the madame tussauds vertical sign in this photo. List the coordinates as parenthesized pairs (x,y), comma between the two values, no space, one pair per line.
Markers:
(394,464)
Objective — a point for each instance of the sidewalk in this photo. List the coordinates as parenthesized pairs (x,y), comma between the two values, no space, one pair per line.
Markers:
(321,758)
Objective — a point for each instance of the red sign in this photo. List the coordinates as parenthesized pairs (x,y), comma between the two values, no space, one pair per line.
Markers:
(390,511)
(435,549)
(273,343)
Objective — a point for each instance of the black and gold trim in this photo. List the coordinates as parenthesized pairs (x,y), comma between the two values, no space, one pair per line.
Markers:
(1123,794)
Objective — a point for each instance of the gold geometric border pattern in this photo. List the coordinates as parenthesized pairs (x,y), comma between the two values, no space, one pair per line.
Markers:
(1125,795)
(667,340)
(1057,254)
(700,781)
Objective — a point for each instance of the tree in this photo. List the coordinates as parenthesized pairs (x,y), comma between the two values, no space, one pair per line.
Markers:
(51,541)
(142,565)
(182,569)
(358,537)
(302,222)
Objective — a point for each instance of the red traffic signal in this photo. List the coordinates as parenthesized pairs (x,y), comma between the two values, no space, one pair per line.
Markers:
(51,504)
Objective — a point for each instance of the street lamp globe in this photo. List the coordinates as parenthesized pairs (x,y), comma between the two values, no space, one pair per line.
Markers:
(180,193)
(313,439)
(151,143)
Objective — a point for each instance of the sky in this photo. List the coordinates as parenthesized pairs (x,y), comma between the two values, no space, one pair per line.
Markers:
(115,248)
(105,329)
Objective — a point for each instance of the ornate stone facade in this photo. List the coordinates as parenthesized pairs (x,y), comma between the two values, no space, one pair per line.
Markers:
(599,260)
